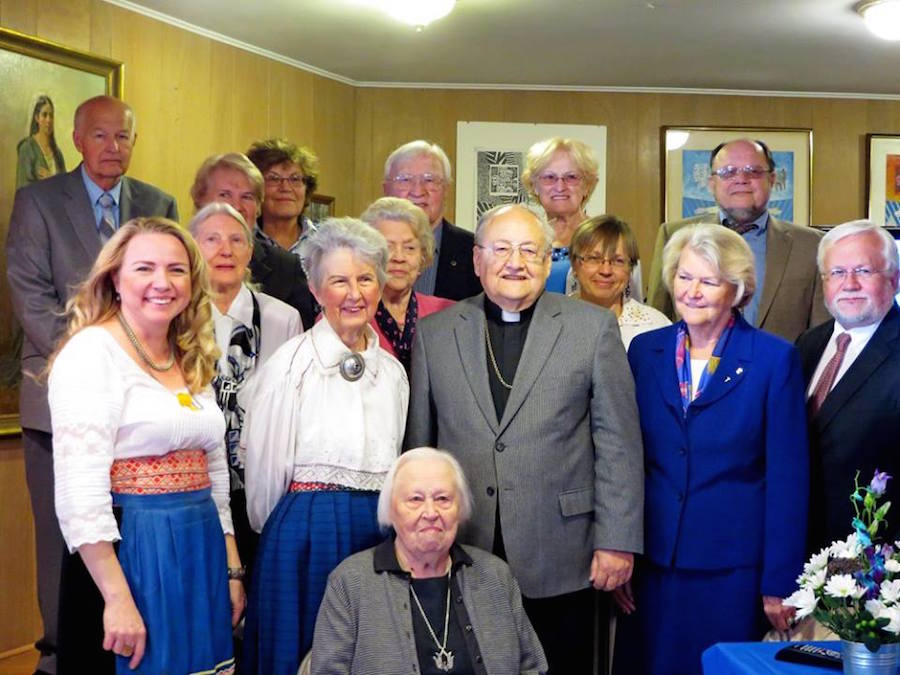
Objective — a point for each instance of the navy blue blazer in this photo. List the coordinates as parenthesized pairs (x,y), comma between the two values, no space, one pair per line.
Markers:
(726,485)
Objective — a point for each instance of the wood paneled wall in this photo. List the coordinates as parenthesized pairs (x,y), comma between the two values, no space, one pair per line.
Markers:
(194,97)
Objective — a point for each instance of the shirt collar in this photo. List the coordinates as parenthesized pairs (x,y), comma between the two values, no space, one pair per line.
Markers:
(495,314)
(385,558)
(330,351)
(241,309)
(858,334)
(762,222)
(95,191)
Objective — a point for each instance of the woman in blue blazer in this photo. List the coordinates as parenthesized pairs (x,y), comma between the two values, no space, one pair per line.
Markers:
(726,465)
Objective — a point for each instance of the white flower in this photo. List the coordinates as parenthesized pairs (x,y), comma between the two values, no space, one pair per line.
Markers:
(890,591)
(849,548)
(892,565)
(843,586)
(874,607)
(804,600)
(816,562)
(816,580)
(893,616)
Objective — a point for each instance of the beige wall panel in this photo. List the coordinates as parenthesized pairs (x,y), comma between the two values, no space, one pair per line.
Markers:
(292,102)
(66,22)
(101,28)
(333,139)
(18,598)
(20,15)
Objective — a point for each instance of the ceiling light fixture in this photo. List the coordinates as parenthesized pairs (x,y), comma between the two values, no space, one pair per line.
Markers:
(882,17)
(418,13)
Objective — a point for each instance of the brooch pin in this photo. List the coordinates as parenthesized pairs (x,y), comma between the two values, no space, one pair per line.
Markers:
(352,367)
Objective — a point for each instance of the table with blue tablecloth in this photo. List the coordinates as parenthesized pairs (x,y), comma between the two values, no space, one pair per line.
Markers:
(736,658)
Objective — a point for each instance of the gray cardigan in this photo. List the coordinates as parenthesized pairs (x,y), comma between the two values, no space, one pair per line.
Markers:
(365,624)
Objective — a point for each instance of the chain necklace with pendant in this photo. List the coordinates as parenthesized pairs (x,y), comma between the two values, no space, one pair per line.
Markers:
(443,658)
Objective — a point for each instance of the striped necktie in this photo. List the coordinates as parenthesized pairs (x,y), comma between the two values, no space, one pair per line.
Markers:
(829,373)
(107,225)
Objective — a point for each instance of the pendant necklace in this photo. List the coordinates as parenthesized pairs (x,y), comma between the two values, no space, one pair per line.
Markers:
(443,658)
(133,339)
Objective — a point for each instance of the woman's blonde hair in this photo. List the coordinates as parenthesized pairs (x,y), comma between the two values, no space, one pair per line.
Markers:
(190,333)
(582,155)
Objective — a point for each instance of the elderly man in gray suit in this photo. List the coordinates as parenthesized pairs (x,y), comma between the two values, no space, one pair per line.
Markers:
(532,393)
(56,230)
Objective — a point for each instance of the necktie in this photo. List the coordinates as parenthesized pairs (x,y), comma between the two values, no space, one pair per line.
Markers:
(107,217)
(740,228)
(826,381)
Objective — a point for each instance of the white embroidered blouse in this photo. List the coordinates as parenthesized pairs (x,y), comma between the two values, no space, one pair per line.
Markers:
(104,407)
(306,423)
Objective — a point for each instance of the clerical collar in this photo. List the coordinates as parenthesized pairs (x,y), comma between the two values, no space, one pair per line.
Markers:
(498,315)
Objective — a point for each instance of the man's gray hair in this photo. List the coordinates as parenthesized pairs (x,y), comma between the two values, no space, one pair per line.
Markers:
(463,492)
(363,240)
(833,236)
(488,216)
(416,149)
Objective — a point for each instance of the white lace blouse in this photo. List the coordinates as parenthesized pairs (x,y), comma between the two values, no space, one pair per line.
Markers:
(306,423)
(104,407)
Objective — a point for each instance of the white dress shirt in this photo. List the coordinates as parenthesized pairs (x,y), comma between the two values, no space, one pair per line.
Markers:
(105,407)
(859,338)
(306,423)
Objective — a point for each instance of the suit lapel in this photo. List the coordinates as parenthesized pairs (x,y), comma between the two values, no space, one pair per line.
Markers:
(733,367)
(812,347)
(778,250)
(80,213)
(469,334)
(542,335)
(127,205)
(880,347)
(664,372)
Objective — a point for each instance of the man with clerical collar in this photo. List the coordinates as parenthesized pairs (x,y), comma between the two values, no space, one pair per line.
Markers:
(419,172)
(56,230)
(852,369)
(532,393)
(789,298)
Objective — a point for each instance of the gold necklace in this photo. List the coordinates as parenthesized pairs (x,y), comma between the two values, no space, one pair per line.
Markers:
(487,339)
(140,349)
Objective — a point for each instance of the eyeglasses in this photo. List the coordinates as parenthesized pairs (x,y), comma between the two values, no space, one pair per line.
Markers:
(550,179)
(404,182)
(617,263)
(528,250)
(729,172)
(237,242)
(837,275)
(295,181)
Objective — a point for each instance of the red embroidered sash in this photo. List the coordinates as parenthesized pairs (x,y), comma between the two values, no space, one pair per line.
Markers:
(176,471)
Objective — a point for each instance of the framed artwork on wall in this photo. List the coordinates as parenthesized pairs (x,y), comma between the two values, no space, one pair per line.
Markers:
(490,160)
(42,84)
(686,152)
(320,207)
(883,179)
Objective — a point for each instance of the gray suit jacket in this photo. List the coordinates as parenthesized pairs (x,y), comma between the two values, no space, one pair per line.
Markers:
(365,623)
(791,299)
(52,243)
(565,463)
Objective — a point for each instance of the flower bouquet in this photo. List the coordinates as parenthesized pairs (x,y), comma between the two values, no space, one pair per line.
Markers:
(853,586)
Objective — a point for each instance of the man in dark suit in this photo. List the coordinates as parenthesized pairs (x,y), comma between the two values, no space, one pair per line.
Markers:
(532,394)
(420,172)
(789,299)
(234,179)
(853,407)
(56,230)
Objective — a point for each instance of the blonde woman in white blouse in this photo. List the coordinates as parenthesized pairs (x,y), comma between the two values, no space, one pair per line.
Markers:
(137,434)
(604,252)
(326,421)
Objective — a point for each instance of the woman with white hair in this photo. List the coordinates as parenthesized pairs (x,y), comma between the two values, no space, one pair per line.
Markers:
(249,327)
(411,245)
(422,572)
(326,420)
(726,465)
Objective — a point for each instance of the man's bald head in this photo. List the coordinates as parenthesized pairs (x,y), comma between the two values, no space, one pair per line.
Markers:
(104,135)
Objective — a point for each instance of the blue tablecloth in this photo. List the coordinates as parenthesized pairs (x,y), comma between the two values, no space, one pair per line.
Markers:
(735,658)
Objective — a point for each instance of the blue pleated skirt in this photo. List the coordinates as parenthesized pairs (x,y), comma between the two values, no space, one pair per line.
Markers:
(173,555)
(304,539)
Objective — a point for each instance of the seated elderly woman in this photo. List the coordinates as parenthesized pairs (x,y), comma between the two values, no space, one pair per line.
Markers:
(233,179)
(726,465)
(425,499)
(249,327)
(326,421)
(604,252)
(411,245)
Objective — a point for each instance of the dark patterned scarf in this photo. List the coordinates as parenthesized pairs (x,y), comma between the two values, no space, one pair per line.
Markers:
(243,350)
(401,341)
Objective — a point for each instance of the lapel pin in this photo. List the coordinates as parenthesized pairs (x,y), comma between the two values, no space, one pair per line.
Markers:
(739,371)
(728,378)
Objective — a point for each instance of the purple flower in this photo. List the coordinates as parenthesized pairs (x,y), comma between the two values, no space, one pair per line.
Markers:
(879,483)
